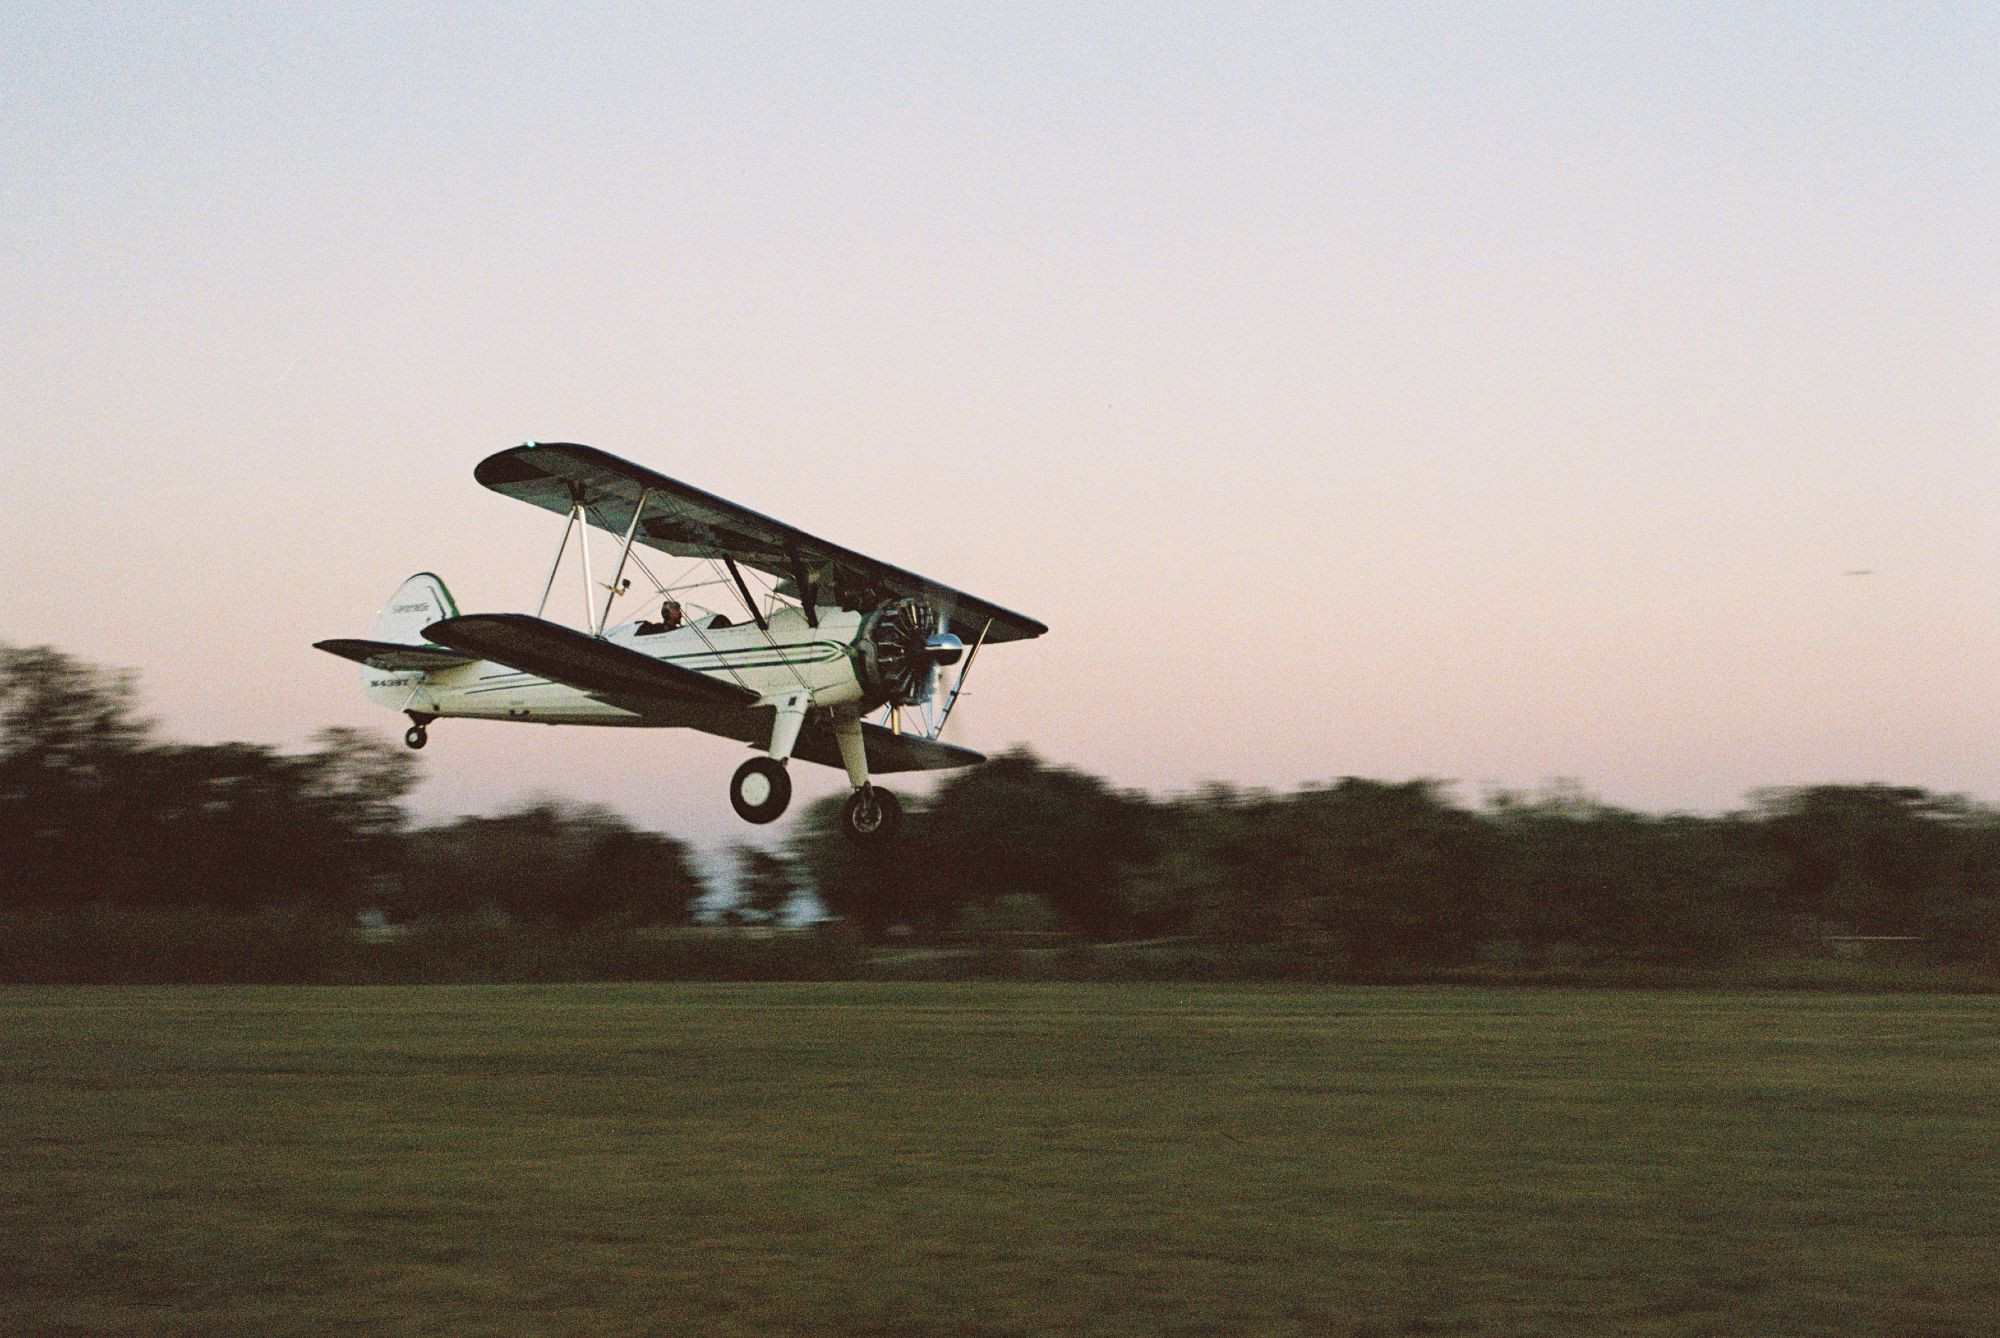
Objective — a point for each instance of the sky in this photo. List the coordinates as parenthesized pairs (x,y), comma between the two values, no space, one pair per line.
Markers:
(1488,392)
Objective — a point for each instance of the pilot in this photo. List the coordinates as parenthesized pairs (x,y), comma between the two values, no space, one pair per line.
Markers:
(670,614)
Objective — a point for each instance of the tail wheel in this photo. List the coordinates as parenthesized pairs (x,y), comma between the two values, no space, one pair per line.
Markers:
(760,790)
(871,815)
(416,736)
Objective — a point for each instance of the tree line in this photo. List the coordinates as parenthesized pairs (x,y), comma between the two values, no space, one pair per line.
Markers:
(96,810)
(1379,874)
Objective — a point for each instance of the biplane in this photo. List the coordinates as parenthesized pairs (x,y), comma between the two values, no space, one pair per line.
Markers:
(819,638)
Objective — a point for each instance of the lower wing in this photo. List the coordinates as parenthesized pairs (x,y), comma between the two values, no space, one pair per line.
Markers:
(612,674)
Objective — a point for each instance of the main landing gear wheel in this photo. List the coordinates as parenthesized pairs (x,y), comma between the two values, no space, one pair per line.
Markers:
(760,789)
(416,736)
(871,815)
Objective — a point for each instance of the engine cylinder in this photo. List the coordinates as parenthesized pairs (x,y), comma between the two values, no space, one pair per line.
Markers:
(901,649)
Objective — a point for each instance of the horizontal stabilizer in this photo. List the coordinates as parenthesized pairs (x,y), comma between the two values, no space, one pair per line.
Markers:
(392,655)
(565,655)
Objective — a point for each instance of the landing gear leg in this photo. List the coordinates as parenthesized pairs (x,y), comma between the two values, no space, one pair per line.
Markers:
(761,787)
(871,815)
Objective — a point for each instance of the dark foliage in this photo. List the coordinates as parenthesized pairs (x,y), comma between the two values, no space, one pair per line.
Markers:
(765,884)
(256,862)
(1373,878)
(94,811)
(1011,826)
(189,946)
(549,863)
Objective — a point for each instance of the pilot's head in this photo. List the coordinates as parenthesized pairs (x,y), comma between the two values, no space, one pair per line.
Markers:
(670,611)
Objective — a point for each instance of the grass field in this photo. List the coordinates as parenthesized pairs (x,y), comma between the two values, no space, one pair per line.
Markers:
(970,1158)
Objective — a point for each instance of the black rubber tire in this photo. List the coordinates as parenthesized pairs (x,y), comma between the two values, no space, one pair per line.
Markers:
(416,736)
(871,815)
(778,786)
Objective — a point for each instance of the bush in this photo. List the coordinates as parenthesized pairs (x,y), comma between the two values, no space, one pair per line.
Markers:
(106,946)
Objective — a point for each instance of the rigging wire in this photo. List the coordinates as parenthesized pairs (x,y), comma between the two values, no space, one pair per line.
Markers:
(702,632)
(699,630)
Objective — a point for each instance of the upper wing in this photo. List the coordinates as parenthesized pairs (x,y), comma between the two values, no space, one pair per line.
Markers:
(688,522)
(392,654)
(620,676)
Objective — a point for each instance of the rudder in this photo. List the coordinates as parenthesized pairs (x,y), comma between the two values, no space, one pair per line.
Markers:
(417,603)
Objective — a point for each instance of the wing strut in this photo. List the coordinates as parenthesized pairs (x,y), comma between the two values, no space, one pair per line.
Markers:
(624,553)
(589,582)
(958,684)
(744,586)
(808,597)
(556,566)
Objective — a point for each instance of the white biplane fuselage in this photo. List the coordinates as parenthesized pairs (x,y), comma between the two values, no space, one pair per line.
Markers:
(834,635)
(774,663)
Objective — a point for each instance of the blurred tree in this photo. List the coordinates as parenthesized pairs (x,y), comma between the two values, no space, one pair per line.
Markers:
(93,808)
(1021,913)
(1554,875)
(69,738)
(1573,872)
(874,888)
(1393,871)
(652,876)
(765,884)
(1014,825)
(226,825)
(1964,926)
(361,781)
(61,714)
(1873,857)
(1207,849)
(550,862)
(1018,825)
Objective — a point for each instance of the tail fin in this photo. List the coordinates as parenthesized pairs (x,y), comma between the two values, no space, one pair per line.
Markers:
(417,603)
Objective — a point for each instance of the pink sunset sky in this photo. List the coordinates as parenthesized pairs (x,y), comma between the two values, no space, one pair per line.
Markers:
(1493,393)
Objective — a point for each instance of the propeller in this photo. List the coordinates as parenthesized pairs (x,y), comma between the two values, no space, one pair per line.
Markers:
(902,647)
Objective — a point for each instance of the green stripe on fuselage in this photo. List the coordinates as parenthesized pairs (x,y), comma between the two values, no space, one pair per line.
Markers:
(774,657)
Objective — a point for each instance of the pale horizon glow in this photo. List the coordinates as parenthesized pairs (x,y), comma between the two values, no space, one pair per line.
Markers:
(1490,393)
